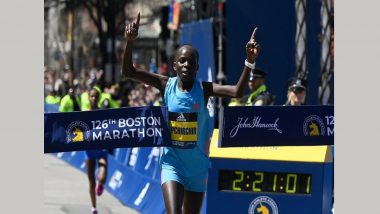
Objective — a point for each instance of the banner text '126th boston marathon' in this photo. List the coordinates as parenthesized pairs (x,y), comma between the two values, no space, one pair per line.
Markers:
(105,129)
(242,126)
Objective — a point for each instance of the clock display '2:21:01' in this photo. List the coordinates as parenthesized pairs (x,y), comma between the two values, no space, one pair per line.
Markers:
(269,182)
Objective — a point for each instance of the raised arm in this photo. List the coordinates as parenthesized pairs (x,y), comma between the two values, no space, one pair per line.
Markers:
(128,70)
(236,91)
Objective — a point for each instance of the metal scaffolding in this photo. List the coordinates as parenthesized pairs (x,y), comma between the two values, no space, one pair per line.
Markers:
(300,42)
(326,87)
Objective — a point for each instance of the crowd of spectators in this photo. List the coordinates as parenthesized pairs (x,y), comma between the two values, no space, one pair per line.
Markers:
(126,92)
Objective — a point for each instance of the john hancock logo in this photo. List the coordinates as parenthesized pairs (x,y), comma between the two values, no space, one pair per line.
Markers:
(77,131)
(263,205)
(255,123)
(313,126)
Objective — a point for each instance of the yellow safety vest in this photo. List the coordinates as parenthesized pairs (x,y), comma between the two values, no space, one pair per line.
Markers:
(104,96)
(50,99)
(85,101)
(67,105)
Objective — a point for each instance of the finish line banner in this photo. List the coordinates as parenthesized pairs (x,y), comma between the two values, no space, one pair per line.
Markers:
(245,126)
(105,129)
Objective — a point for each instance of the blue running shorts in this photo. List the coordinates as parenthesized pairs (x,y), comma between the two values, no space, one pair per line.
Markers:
(196,183)
(96,154)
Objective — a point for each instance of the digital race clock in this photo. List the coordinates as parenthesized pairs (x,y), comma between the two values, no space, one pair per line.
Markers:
(272,180)
(264,182)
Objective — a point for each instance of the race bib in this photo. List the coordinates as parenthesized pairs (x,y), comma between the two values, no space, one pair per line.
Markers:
(183,129)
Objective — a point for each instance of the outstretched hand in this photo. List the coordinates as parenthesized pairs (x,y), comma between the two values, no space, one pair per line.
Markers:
(252,48)
(132,30)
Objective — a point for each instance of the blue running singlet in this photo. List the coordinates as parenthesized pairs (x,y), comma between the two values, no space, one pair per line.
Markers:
(189,120)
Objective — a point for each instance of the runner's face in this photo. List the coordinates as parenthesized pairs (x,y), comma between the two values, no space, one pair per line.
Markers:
(186,64)
(94,98)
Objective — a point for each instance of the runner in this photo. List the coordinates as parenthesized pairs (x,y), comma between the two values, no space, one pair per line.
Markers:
(184,168)
(96,156)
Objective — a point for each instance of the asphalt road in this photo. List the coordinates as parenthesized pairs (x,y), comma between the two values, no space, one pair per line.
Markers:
(66,191)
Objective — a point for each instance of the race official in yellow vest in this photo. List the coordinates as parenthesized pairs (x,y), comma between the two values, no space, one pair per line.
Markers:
(69,102)
(52,98)
(85,101)
(110,100)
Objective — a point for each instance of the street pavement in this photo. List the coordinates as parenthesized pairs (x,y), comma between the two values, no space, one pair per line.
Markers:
(66,191)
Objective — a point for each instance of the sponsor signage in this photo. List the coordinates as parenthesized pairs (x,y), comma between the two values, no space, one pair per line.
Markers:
(243,126)
(263,204)
(104,129)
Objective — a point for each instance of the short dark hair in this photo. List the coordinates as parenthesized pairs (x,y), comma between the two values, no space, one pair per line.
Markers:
(187,45)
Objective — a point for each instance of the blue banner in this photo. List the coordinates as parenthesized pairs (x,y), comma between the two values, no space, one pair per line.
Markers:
(243,126)
(200,35)
(105,129)
(51,108)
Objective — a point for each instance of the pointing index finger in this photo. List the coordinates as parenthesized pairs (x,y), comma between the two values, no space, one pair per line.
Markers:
(138,20)
(254,33)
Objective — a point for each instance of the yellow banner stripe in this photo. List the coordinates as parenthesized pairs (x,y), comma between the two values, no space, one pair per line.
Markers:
(183,124)
(184,138)
(319,154)
(175,125)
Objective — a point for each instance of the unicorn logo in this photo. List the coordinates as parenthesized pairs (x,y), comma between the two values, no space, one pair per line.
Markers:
(313,126)
(78,135)
(77,131)
(263,205)
(262,209)
(314,129)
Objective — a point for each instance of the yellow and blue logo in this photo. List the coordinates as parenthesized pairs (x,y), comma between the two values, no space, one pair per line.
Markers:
(313,126)
(77,131)
(263,205)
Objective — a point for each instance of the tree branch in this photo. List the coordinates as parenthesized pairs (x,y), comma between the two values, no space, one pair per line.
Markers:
(96,21)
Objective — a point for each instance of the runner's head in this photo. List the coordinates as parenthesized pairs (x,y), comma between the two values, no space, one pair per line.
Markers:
(186,63)
(94,95)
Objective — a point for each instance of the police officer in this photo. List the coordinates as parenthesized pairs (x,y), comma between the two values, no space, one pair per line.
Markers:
(259,94)
(296,92)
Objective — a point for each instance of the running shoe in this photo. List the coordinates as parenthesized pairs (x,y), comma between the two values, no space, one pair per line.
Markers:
(99,189)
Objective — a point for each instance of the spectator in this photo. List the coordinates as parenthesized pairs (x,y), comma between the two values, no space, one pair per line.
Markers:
(70,102)
(85,101)
(52,98)
(110,97)
(259,95)
(296,92)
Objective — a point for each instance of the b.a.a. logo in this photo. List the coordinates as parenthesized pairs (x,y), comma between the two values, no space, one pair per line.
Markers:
(263,205)
(77,131)
(313,126)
